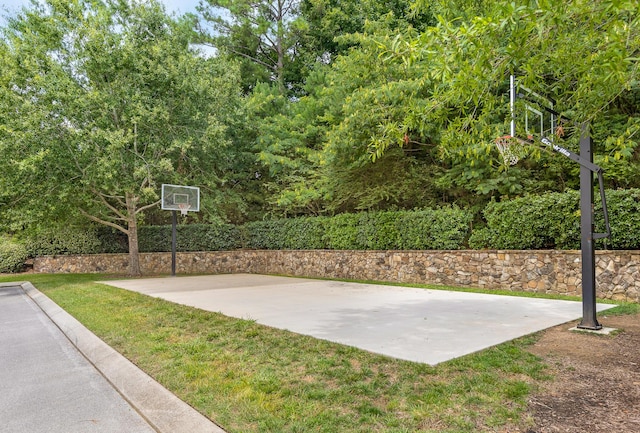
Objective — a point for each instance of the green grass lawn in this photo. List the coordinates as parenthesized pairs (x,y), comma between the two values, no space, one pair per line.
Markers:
(252,378)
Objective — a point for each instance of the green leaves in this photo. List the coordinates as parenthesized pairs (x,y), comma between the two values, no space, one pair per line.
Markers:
(262,34)
(552,220)
(12,255)
(112,102)
(445,228)
(349,106)
(469,58)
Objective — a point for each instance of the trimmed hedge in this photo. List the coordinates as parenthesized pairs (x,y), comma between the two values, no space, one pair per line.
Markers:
(75,240)
(12,256)
(434,229)
(293,233)
(99,240)
(624,209)
(195,237)
(446,228)
(532,222)
(342,232)
(547,221)
(552,221)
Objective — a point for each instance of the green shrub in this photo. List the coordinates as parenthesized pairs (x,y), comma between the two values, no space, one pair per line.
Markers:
(552,221)
(378,230)
(426,229)
(75,240)
(547,221)
(531,222)
(155,239)
(98,240)
(264,235)
(291,233)
(624,208)
(341,232)
(193,237)
(434,229)
(111,240)
(306,233)
(12,256)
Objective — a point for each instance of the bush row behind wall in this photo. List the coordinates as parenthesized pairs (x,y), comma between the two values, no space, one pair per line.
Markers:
(73,240)
(446,228)
(552,221)
(548,221)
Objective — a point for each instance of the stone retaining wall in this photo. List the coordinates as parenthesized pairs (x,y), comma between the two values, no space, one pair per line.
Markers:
(617,273)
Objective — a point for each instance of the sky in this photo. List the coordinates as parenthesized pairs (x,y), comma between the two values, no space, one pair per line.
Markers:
(178,6)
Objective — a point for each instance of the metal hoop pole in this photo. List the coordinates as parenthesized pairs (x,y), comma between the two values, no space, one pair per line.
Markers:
(512,104)
(589,315)
(174,242)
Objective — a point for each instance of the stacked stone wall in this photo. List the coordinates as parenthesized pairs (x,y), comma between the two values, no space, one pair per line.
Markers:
(549,271)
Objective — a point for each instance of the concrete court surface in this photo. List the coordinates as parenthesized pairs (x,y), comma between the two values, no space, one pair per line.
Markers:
(427,326)
(56,376)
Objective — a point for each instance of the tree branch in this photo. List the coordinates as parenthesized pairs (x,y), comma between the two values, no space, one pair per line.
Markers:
(143,208)
(253,59)
(103,222)
(103,199)
(287,7)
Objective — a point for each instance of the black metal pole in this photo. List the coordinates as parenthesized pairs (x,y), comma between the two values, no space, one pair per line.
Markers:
(589,320)
(174,242)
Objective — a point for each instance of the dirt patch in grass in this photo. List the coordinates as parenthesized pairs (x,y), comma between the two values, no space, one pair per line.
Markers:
(596,386)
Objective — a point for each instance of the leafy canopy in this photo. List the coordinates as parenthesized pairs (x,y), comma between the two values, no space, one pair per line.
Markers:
(104,101)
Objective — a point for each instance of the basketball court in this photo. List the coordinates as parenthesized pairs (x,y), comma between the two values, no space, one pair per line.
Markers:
(427,326)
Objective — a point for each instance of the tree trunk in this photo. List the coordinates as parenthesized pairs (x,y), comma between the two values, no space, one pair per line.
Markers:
(280,46)
(132,234)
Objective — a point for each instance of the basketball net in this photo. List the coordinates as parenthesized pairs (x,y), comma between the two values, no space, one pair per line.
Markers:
(505,146)
(184,208)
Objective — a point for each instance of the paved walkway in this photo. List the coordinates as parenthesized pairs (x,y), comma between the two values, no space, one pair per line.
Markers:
(429,326)
(49,384)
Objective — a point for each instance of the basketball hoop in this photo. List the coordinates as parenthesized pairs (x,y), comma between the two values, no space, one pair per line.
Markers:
(506,145)
(184,208)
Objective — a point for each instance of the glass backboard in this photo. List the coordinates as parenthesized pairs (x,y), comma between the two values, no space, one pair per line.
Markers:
(533,115)
(181,198)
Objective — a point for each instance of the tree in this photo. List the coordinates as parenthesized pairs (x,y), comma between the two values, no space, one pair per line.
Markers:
(264,34)
(441,92)
(288,141)
(583,54)
(329,21)
(407,107)
(316,148)
(102,102)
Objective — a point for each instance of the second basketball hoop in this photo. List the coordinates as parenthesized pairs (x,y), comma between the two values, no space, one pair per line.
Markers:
(178,198)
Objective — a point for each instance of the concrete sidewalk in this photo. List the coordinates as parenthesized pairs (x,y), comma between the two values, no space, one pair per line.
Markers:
(56,376)
(429,326)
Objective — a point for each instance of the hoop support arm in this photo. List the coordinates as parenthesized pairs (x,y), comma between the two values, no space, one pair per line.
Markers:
(574,156)
(607,227)
(594,169)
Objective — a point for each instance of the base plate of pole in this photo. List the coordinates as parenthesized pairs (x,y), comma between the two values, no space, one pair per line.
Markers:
(602,331)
